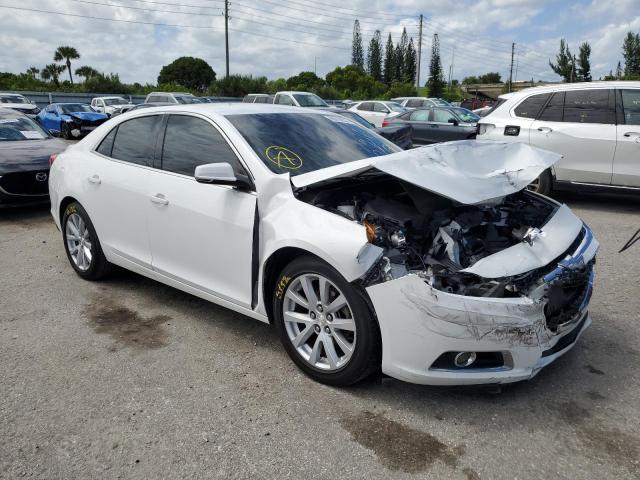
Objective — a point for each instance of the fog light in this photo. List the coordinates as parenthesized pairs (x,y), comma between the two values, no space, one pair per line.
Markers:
(464,359)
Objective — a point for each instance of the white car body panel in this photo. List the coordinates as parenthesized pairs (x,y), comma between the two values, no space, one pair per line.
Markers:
(201,240)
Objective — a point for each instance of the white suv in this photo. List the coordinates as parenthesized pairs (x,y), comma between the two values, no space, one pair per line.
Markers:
(377,111)
(164,98)
(595,126)
(111,105)
(299,99)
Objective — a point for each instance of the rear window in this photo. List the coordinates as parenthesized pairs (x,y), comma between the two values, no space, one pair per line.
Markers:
(135,140)
(530,107)
(301,143)
(554,109)
(20,128)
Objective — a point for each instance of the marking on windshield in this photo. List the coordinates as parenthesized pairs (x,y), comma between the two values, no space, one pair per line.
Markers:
(283,157)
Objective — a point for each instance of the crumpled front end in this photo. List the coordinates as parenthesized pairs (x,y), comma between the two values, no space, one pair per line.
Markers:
(430,336)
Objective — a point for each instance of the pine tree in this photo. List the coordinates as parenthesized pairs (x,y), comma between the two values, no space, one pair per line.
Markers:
(402,55)
(389,62)
(435,82)
(398,63)
(584,65)
(564,65)
(357,52)
(374,57)
(410,60)
(631,54)
(619,71)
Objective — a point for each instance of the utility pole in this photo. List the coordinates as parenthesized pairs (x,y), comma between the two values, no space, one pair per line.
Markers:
(453,56)
(226,31)
(419,56)
(513,50)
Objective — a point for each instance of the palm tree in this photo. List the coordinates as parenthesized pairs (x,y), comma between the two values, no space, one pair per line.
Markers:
(86,72)
(33,72)
(52,72)
(66,54)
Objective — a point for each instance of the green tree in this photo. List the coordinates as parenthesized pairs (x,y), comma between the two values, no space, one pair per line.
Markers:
(66,54)
(239,86)
(631,54)
(33,72)
(389,62)
(402,55)
(398,62)
(305,81)
(354,83)
(52,72)
(374,57)
(584,65)
(619,71)
(435,82)
(400,89)
(470,80)
(491,77)
(564,65)
(86,72)
(189,72)
(410,62)
(357,52)
(276,85)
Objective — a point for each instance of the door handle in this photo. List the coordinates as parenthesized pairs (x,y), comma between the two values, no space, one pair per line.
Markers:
(159,199)
(95,179)
(632,134)
(545,129)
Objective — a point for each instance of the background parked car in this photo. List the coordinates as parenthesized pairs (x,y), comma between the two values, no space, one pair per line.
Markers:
(398,134)
(595,126)
(168,97)
(70,120)
(111,105)
(258,98)
(375,111)
(299,99)
(19,103)
(149,105)
(25,148)
(420,102)
(438,124)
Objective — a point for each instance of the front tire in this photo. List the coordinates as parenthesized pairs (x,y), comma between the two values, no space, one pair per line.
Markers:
(65,130)
(542,184)
(325,323)
(81,244)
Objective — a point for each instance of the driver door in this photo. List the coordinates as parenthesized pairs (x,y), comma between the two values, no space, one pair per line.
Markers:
(201,235)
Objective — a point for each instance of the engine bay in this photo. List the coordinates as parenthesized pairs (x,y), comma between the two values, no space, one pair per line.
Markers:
(434,237)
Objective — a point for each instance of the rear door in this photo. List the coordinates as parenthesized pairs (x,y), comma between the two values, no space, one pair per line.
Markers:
(580,125)
(201,235)
(626,164)
(419,121)
(440,129)
(117,188)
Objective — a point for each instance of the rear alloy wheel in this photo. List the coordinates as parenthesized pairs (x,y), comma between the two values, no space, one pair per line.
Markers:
(82,245)
(542,184)
(325,324)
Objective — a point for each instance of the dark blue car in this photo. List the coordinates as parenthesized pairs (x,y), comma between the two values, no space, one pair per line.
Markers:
(70,120)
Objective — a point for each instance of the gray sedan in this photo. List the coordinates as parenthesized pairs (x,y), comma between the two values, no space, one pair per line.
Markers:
(438,124)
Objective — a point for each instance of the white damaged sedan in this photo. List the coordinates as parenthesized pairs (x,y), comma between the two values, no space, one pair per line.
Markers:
(434,265)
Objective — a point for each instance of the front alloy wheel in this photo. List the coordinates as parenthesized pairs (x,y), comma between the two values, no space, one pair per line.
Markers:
(319,322)
(78,242)
(325,323)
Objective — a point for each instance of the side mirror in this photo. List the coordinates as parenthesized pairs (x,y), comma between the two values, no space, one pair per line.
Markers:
(222,174)
(454,121)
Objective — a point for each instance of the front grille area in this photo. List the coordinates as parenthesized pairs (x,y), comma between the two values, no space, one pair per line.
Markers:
(568,293)
(89,123)
(25,183)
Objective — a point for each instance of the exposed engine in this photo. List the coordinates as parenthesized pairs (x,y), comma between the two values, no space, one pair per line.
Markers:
(434,237)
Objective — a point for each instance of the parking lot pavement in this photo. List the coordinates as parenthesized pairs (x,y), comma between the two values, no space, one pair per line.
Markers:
(127,378)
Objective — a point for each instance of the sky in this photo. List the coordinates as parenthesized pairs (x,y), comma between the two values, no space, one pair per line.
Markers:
(280,38)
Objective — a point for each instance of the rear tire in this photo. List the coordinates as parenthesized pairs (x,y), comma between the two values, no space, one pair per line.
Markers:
(542,184)
(81,244)
(325,323)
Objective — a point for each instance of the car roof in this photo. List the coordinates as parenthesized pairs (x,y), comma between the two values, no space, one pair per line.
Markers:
(113,96)
(9,112)
(170,93)
(234,108)
(563,87)
(70,103)
(296,92)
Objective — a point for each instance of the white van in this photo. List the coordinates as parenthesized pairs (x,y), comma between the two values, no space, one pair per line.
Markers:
(595,126)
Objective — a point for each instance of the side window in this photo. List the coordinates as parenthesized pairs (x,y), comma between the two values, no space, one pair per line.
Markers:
(190,141)
(530,107)
(588,106)
(414,103)
(283,100)
(419,116)
(380,108)
(553,111)
(631,105)
(135,140)
(365,106)
(106,145)
(442,116)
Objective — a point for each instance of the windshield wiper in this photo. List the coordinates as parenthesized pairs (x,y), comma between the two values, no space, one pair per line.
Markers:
(634,238)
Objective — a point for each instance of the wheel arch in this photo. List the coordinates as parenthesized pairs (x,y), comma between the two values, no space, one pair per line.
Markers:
(64,203)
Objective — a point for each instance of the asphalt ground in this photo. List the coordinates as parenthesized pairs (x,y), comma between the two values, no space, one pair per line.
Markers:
(128,378)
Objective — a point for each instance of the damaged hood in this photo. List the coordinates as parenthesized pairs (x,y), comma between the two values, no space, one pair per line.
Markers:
(467,171)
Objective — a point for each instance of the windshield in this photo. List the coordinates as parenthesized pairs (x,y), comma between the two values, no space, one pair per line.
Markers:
(13,99)
(309,100)
(298,143)
(20,128)
(115,101)
(185,99)
(467,116)
(75,107)
(395,107)
(356,118)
